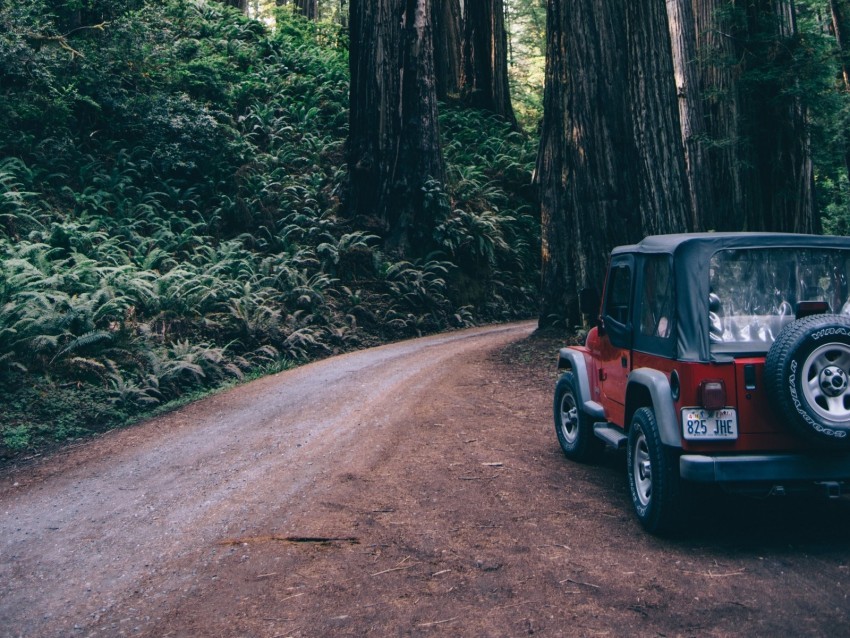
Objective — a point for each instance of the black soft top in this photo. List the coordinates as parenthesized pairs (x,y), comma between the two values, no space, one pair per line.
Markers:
(692,255)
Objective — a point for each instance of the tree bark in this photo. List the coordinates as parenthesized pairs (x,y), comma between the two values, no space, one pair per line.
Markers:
(840,10)
(664,200)
(588,193)
(841,25)
(485,59)
(683,40)
(611,165)
(559,300)
(447,47)
(308,8)
(760,159)
(394,146)
(719,77)
(778,168)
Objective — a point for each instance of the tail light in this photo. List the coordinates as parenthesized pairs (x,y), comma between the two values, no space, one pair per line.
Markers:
(809,308)
(712,395)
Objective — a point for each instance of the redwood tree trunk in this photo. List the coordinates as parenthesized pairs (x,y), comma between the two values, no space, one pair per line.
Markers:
(394,146)
(663,195)
(559,301)
(683,40)
(760,161)
(447,47)
(585,166)
(841,26)
(485,58)
(719,76)
(308,8)
(778,169)
(611,165)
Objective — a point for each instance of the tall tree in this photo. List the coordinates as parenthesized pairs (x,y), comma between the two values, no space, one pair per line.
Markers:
(394,146)
(588,193)
(760,163)
(242,5)
(308,8)
(610,130)
(779,172)
(719,73)
(558,285)
(683,39)
(485,58)
(663,198)
(447,47)
(840,11)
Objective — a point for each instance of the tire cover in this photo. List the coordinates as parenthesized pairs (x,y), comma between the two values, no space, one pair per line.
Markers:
(807,376)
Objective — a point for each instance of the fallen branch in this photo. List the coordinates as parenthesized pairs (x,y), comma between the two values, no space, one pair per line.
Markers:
(394,569)
(291,597)
(739,573)
(436,622)
(319,539)
(322,540)
(577,582)
(711,574)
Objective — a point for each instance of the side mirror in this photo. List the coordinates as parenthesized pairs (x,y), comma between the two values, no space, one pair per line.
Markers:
(588,303)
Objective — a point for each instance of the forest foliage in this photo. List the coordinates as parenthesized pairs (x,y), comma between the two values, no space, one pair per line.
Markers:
(171,176)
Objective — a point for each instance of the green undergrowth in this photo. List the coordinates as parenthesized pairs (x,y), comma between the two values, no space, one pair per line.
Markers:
(171,184)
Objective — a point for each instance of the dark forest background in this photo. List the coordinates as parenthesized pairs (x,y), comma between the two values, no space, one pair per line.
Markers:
(194,192)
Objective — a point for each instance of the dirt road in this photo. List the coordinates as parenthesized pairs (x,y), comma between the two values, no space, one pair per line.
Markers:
(414,489)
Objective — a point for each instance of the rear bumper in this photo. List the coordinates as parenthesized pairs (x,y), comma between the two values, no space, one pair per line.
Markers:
(763,468)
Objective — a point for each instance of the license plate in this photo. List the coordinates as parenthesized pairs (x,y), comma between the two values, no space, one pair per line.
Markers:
(699,424)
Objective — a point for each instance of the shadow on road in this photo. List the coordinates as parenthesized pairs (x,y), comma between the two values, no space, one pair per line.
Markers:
(721,520)
(809,523)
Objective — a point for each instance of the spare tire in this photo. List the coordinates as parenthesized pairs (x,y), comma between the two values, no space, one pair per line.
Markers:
(807,376)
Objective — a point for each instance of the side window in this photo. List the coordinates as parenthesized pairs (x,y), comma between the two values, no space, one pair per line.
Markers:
(618,299)
(657,307)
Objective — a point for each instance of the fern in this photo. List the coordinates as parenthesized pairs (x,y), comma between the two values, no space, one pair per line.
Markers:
(84,341)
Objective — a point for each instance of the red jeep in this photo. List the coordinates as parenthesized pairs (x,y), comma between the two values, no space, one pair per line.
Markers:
(717,358)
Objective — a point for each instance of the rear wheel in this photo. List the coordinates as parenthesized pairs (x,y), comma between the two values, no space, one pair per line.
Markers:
(572,425)
(654,482)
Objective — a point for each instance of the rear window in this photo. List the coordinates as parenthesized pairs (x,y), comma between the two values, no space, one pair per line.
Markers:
(754,292)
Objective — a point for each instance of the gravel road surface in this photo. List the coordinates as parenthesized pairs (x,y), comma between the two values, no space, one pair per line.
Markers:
(412,489)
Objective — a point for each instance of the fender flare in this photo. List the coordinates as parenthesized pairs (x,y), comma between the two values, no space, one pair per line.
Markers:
(658,387)
(574,360)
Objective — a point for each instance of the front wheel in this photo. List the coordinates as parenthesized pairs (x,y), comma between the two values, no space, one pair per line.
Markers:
(654,482)
(572,426)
